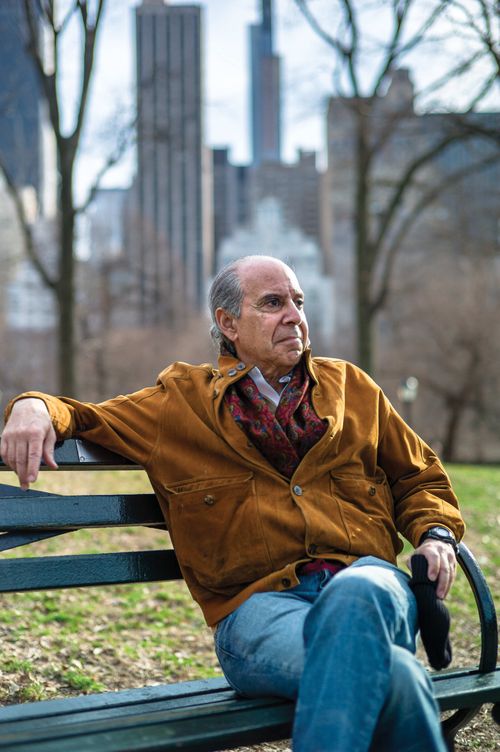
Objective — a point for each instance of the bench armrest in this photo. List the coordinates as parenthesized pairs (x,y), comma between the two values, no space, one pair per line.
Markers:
(485,607)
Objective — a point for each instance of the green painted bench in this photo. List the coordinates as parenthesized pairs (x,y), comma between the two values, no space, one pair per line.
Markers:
(196,715)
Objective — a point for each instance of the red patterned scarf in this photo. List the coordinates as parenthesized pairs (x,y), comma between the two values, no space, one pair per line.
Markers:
(283,437)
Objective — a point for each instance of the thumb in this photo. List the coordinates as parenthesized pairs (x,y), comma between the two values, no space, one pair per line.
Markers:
(48,449)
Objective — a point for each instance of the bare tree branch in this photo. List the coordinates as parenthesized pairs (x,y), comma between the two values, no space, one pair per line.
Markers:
(486,34)
(26,229)
(400,14)
(113,158)
(464,131)
(429,197)
(90,35)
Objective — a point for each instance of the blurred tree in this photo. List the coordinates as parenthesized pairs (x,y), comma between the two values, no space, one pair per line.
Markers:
(44,25)
(370,41)
(453,351)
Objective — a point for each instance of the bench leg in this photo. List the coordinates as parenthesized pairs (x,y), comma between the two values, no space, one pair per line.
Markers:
(454,723)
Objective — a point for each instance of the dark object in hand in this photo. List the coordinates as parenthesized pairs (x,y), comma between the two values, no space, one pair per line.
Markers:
(433,616)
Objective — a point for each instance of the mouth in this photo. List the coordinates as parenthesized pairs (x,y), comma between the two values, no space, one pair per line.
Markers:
(292,338)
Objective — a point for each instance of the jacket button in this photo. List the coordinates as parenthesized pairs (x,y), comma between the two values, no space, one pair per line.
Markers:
(297,490)
(240,367)
(232,372)
(286,582)
(209,500)
(372,490)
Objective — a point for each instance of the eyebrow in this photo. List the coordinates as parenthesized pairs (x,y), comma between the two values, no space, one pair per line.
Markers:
(265,297)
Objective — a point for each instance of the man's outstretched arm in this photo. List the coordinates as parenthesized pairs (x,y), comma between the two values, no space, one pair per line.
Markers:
(28,437)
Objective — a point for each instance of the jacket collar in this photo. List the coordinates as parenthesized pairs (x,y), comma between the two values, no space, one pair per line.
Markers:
(231,369)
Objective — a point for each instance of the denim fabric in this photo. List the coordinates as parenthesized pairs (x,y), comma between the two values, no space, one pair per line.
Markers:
(343,647)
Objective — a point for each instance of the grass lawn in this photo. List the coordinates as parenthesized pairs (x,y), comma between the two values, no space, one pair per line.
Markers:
(72,642)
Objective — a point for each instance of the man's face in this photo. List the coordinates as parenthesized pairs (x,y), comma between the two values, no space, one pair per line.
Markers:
(272,330)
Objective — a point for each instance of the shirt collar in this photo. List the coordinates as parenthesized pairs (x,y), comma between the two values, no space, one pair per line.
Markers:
(265,387)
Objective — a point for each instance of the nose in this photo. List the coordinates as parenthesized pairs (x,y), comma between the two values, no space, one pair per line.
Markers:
(293,314)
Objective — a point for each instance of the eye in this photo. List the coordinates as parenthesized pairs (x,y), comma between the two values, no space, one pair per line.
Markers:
(299,302)
(273,302)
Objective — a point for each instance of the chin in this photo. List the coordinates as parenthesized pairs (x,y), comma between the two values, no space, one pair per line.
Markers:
(295,356)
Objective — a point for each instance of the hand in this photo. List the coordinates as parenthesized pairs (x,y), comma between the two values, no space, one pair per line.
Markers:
(27,438)
(441,563)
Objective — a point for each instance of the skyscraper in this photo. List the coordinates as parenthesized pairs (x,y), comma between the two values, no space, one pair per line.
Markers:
(265,90)
(171,243)
(20,98)
(238,191)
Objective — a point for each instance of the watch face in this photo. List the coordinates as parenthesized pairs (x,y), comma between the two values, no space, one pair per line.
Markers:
(440,532)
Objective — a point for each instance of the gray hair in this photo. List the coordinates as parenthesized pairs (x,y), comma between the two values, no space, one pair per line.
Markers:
(225,292)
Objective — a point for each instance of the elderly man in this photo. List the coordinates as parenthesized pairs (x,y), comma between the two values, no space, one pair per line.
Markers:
(284,480)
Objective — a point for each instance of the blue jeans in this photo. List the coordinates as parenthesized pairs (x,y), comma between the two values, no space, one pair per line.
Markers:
(343,647)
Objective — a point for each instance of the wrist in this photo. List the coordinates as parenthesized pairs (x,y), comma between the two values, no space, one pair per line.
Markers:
(441,534)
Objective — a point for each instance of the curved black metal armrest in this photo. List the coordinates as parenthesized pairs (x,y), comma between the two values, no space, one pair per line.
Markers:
(485,607)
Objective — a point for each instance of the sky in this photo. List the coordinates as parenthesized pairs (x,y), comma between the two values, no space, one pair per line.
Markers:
(305,71)
(307,78)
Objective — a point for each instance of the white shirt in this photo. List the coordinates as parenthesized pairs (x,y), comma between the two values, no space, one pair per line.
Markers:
(265,387)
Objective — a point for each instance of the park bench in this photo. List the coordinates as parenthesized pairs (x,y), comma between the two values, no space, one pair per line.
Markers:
(194,715)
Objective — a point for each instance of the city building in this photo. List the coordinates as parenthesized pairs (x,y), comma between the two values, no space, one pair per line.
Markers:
(239,189)
(29,304)
(265,90)
(269,233)
(173,178)
(20,100)
(297,188)
(436,213)
(105,226)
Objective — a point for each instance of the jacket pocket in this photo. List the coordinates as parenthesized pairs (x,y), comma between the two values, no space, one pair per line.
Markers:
(216,530)
(368,512)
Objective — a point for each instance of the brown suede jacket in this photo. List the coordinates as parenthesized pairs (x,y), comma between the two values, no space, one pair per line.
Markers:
(237,525)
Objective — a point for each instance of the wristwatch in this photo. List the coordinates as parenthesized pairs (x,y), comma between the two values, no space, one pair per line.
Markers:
(441,534)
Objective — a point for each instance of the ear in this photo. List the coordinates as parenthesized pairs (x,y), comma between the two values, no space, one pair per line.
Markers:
(226,324)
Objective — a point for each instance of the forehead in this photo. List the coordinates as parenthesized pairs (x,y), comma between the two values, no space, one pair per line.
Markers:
(261,277)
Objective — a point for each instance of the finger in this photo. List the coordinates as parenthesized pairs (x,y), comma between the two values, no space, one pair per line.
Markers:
(48,449)
(20,463)
(446,576)
(35,449)
(433,564)
(4,450)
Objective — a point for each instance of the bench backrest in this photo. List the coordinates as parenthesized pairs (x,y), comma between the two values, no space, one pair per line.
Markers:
(38,515)
(30,516)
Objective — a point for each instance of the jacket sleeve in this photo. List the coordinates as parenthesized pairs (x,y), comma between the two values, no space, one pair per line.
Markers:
(421,489)
(127,425)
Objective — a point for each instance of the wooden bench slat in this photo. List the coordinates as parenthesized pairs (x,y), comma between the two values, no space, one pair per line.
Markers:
(23,728)
(196,689)
(78,454)
(200,727)
(9,541)
(52,511)
(177,712)
(464,689)
(75,453)
(120,717)
(39,573)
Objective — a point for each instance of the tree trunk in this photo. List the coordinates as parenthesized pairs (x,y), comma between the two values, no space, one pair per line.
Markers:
(363,260)
(455,412)
(66,282)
